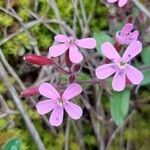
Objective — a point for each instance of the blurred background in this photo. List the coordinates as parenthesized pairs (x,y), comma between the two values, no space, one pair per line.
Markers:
(29,26)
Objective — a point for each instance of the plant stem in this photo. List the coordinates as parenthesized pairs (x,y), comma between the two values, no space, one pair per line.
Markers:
(16,99)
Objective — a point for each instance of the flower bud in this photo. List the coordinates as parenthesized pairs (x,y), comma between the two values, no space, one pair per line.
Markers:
(76,68)
(32,91)
(37,59)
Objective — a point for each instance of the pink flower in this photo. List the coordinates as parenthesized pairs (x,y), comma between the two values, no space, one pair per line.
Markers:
(121,3)
(120,66)
(126,36)
(58,103)
(71,44)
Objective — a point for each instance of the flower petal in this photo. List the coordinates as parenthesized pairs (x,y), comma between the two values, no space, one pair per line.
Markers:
(104,71)
(61,38)
(45,106)
(72,90)
(109,51)
(132,50)
(112,1)
(57,50)
(133,74)
(56,117)
(49,91)
(135,35)
(74,55)
(73,110)
(118,83)
(88,43)
(122,3)
(127,29)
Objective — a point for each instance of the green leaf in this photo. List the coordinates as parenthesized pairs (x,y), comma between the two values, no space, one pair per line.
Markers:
(119,105)
(101,37)
(145,55)
(12,144)
(146,80)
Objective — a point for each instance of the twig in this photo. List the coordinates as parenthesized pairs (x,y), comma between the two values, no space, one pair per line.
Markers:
(67,134)
(118,129)
(53,4)
(22,86)
(19,105)
(142,7)
(27,26)
(74,3)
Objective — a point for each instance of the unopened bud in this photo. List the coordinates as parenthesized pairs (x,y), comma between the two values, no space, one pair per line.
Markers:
(37,59)
(32,91)
(76,68)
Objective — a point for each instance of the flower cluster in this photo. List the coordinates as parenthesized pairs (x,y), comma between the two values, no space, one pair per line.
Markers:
(72,44)
(121,65)
(56,101)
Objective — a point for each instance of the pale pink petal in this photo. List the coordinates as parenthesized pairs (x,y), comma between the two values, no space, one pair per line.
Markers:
(72,90)
(135,35)
(45,106)
(104,71)
(49,91)
(120,39)
(133,74)
(122,3)
(74,55)
(73,110)
(109,51)
(56,117)
(127,29)
(88,43)
(57,50)
(132,50)
(118,83)
(112,1)
(61,38)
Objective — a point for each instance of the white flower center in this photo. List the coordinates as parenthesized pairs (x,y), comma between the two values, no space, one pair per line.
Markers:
(72,41)
(122,64)
(60,102)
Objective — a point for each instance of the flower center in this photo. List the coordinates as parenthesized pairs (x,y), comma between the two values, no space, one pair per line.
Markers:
(71,41)
(122,65)
(60,102)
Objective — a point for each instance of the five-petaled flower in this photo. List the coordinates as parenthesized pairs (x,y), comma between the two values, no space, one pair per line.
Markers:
(121,3)
(58,103)
(72,44)
(126,36)
(120,66)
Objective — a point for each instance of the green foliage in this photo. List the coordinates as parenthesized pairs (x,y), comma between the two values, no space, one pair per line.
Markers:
(2,88)
(145,55)
(101,37)
(119,105)
(12,144)
(146,80)
(5,20)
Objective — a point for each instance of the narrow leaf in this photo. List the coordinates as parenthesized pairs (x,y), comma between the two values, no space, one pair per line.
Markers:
(119,105)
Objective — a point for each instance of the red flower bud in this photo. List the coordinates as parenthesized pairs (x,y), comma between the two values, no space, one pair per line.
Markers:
(32,91)
(37,59)
(76,68)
